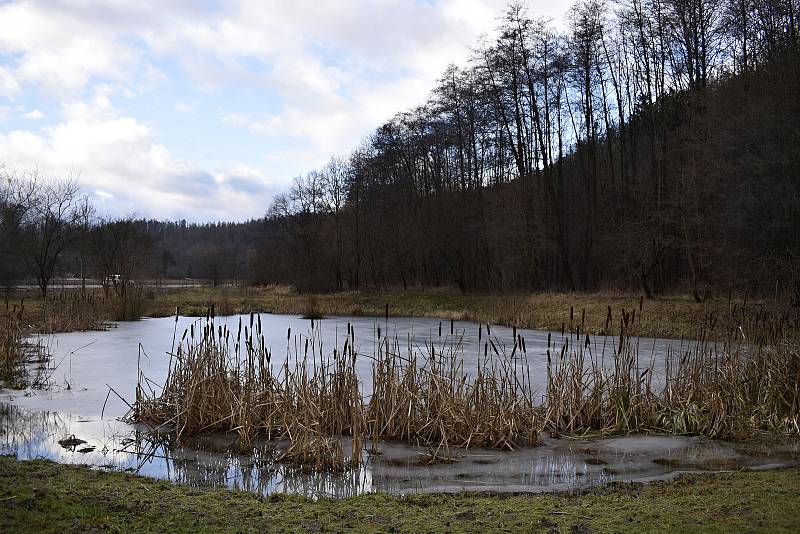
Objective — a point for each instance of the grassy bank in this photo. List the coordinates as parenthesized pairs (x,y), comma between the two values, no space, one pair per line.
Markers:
(41,496)
(669,317)
(677,316)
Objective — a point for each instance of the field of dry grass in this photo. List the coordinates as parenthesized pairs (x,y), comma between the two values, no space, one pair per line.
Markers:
(676,316)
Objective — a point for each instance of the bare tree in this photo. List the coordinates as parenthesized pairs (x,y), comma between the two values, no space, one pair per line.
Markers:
(57,214)
(120,250)
(628,151)
(334,194)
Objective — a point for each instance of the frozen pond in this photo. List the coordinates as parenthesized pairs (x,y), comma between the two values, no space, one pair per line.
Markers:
(88,364)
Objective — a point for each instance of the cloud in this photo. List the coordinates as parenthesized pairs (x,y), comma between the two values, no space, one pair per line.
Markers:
(61,50)
(34,115)
(117,159)
(291,81)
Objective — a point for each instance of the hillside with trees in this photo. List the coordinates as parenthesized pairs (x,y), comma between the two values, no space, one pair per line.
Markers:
(650,145)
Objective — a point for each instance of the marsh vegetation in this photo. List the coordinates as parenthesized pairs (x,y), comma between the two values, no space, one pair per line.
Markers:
(23,360)
(223,380)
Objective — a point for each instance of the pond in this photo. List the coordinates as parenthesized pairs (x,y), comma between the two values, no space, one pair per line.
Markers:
(95,373)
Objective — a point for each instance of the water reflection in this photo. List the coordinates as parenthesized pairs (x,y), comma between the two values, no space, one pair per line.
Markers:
(395,468)
(202,462)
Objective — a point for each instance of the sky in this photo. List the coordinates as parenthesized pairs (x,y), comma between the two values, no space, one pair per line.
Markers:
(204,110)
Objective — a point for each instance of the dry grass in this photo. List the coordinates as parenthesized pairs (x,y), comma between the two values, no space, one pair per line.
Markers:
(436,403)
(79,310)
(23,363)
(676,316)
(673,316)
(224,381)
(130,305)
(11,344)
(69,311)
(311,308)
(749,382)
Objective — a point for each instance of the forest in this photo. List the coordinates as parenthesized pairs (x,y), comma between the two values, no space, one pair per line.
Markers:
(651,145)
(648,145)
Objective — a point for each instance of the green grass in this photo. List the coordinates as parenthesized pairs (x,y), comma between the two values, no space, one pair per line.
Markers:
(41,496)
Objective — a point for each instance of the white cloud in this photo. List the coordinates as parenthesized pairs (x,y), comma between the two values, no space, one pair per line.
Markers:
(34,115)
(118,159)
(330,71)
(61,50)
(387,57)
(8,83)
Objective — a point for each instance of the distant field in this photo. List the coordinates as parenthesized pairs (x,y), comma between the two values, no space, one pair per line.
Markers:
(677,316)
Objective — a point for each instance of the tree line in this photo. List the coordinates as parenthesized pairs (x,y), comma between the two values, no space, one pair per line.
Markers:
(49,229)
(650,145)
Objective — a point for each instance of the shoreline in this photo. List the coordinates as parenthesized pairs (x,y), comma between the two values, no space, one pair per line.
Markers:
(667,317)
(39,496)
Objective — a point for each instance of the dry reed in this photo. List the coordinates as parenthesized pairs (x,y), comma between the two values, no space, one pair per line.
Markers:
(225,381)
(23,362)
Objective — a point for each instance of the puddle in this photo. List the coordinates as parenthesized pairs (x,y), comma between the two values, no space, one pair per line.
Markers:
(77,421)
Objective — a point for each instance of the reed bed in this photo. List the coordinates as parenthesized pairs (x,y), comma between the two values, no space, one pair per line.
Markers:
(23,363)
(222,380)
(722,389)
(129,305)
(436,403)
(11,344)
(70,311)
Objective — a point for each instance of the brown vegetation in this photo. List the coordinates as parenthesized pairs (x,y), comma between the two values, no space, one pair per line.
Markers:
(23,362)
(223,381)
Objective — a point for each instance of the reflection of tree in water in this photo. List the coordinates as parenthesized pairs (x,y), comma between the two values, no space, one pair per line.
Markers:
(338,485)
(201,462)
(31,434)
(25,432)
(400,475)
(212,462)
(255,473)
(186,463)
